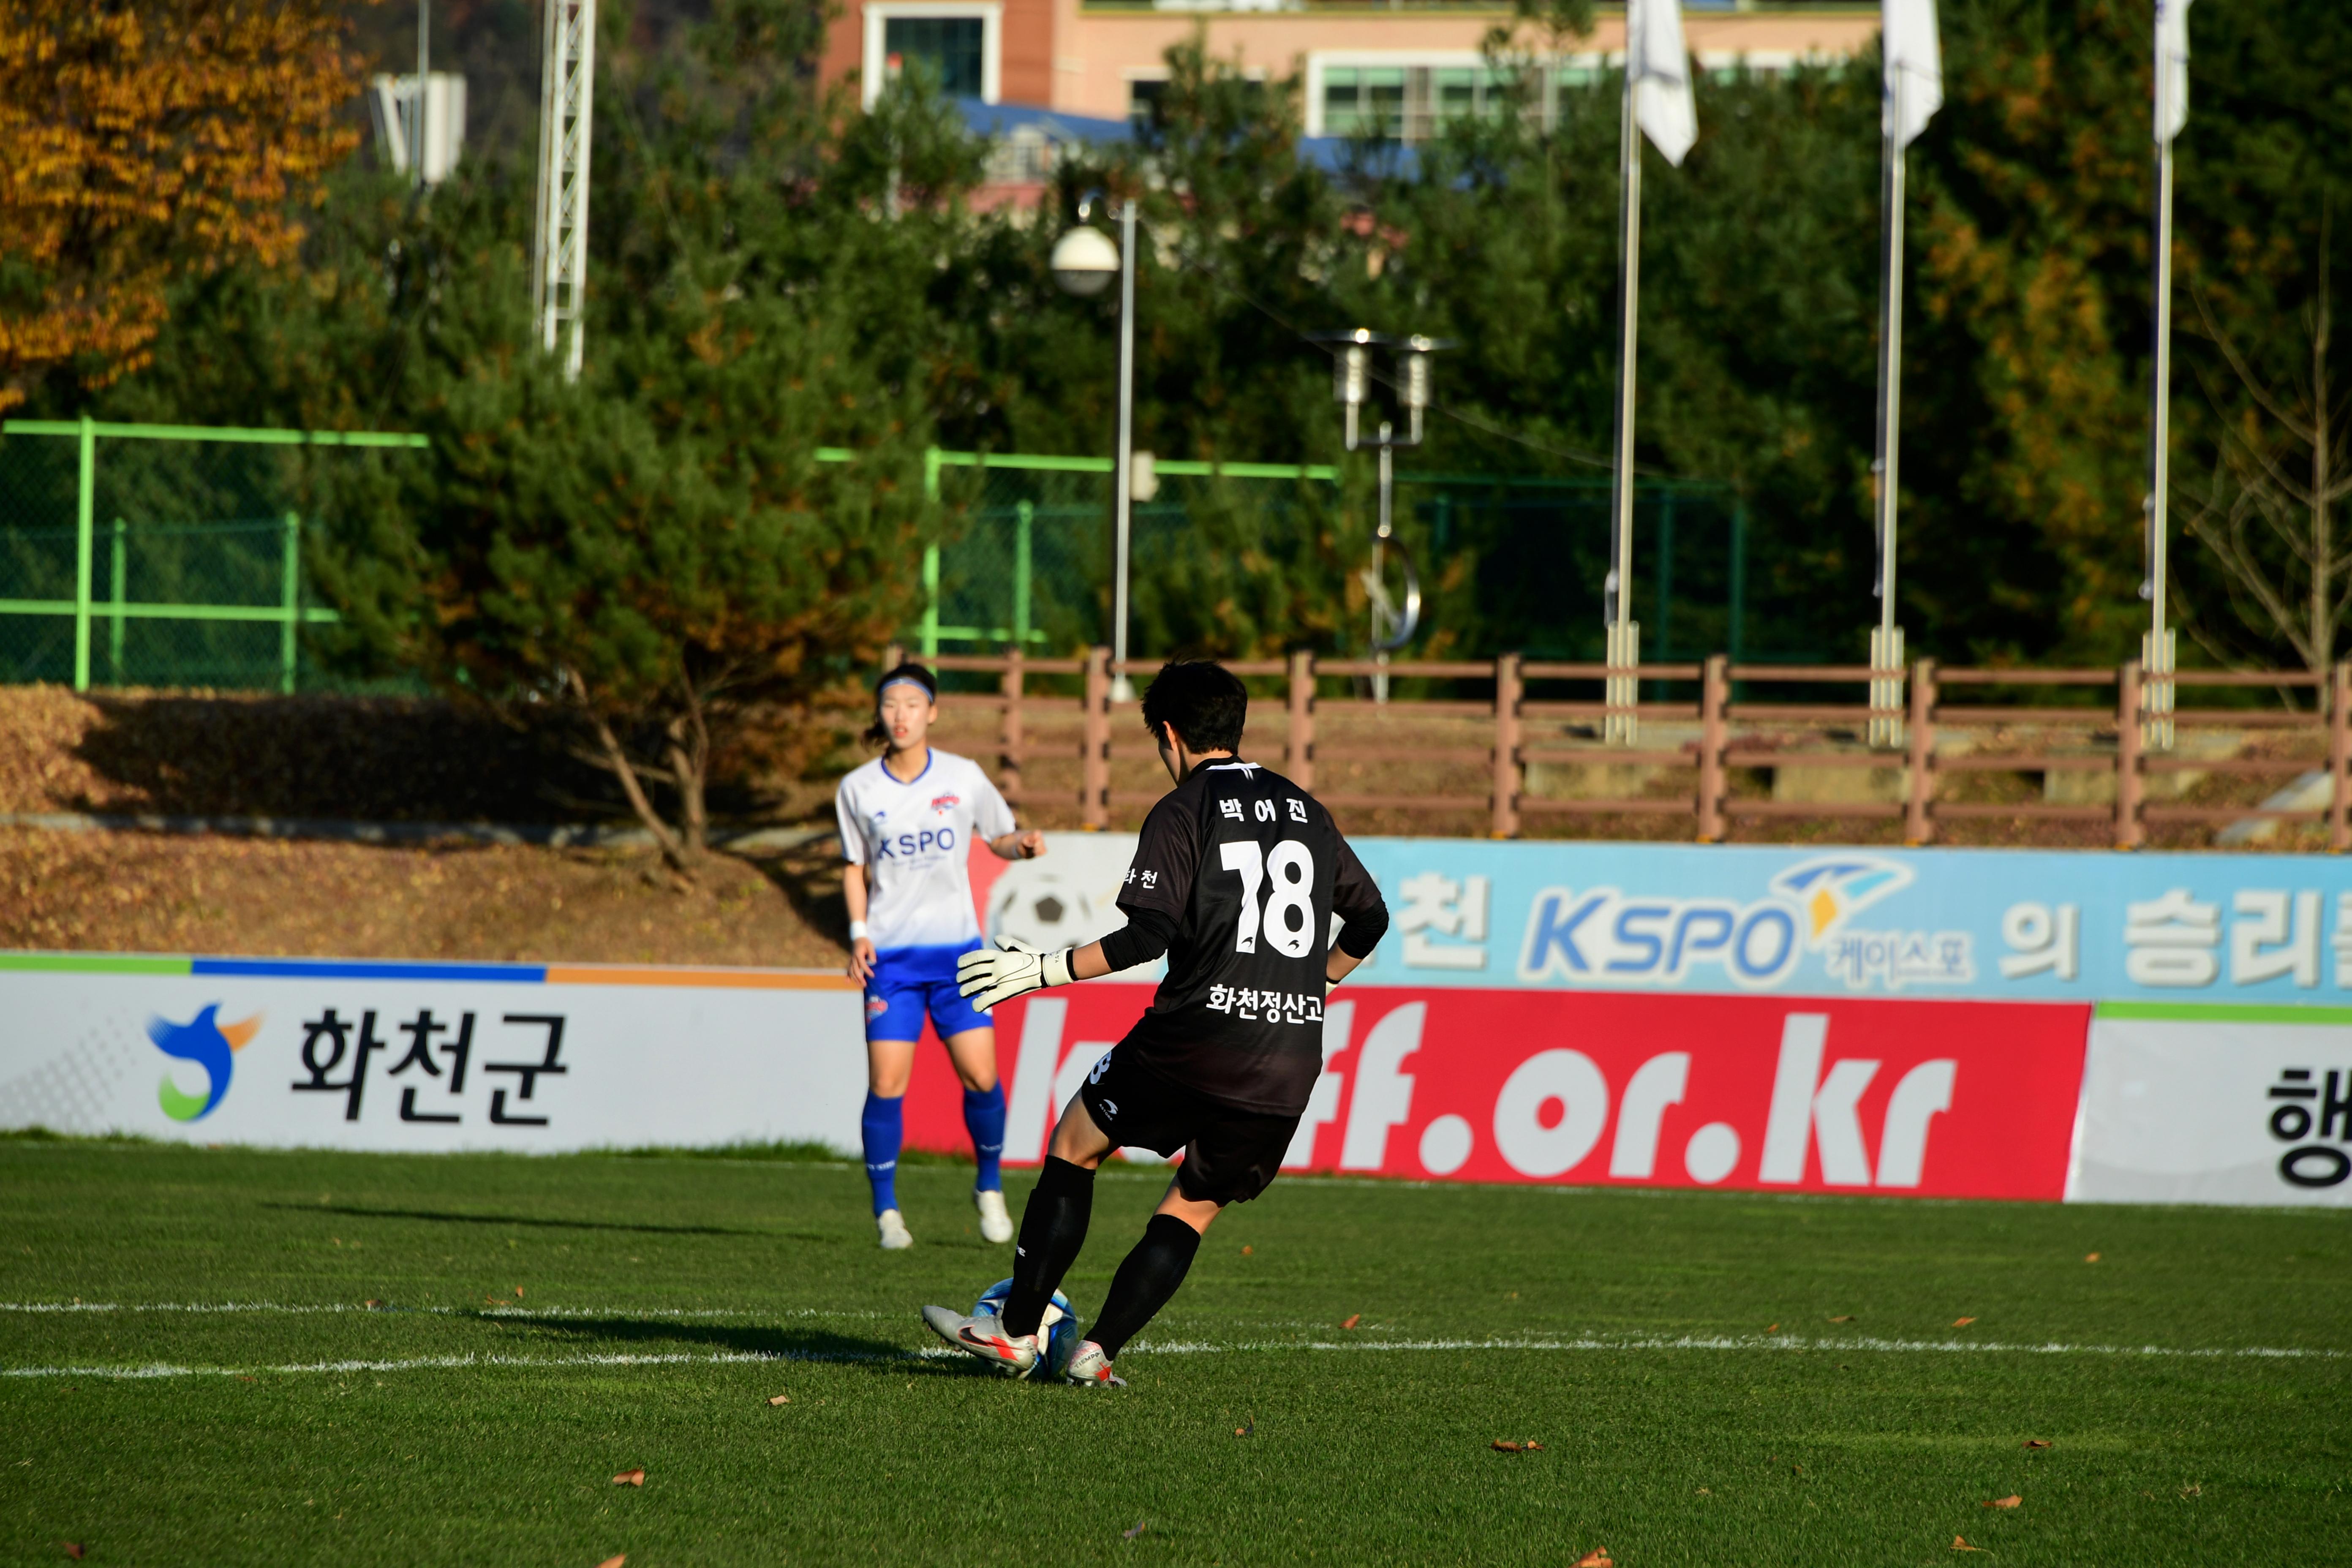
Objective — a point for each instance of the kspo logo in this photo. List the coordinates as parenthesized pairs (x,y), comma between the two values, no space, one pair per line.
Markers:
(911,844)
(1602,935)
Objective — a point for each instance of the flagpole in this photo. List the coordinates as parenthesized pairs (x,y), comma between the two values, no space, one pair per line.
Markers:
(1624,648)
(1885,728)
(2157,650)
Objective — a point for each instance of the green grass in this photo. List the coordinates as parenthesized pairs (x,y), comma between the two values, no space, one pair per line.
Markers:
(1553,1313)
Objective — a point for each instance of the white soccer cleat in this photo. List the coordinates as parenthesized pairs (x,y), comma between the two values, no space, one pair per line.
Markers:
(984,1336)
(1090,1368)
(895,1234)
(996,1223)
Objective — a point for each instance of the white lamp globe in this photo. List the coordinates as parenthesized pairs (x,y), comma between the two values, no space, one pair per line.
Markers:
(1085,261)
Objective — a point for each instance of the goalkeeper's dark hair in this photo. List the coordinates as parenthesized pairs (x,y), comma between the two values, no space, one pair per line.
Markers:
(1206,702)
(875,735)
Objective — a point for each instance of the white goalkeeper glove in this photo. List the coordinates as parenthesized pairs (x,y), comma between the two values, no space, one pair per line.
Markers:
(989,978)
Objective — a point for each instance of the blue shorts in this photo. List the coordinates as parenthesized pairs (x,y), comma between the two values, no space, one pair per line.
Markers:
(909,981)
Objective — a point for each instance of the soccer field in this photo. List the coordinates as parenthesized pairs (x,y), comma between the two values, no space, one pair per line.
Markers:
(230,1356)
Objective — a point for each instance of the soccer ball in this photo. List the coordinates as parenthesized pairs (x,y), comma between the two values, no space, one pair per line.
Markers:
(1057,1332)
(1041,908)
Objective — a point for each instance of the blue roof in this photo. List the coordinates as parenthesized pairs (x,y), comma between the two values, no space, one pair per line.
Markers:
(1335,155)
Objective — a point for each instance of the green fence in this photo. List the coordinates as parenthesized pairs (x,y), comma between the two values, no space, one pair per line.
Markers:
(157,555)
(172,555)
(1261,556)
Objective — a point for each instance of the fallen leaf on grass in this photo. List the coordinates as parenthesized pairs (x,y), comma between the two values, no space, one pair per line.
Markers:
(1247,1250)
(1600,1559)
(1846,1318)
(1131,1534)
(2090,1257)
(2192,1490)
(1962,1323)
(371,1301)
(2011,1501)
(613,1561)
(73,1550)
(635,1477)
(2037,1442)
(1504,1446)
(242,1378)
(780,1399)
(1705,1492)
(1353,1319)
(1960,1545)
(518,1293)
(1773,1329)
(1245,1431)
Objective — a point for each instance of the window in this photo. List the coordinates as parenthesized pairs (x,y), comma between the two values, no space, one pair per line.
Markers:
(1363,100)
(957,42)
(1144,100)
(952,47)
(1464,93)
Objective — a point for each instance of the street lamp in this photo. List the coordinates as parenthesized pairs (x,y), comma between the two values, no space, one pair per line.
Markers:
(1393,624)
(1084,259)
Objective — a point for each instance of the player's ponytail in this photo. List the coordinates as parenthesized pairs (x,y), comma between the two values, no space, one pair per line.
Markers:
(914,674)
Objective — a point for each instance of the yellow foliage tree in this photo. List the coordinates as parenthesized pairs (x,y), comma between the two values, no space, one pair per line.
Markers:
(141,140)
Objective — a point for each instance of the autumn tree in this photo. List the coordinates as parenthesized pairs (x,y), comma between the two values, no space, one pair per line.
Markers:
(142,141)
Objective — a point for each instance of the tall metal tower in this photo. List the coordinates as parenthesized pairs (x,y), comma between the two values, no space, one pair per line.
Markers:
(558,274)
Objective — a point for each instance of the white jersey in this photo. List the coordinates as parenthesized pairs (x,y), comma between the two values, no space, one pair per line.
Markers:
(915,840)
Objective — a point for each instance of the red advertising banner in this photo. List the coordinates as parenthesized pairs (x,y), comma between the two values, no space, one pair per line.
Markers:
(1941,1098)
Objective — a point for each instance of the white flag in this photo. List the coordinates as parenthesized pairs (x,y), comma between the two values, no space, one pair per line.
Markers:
(1915,67)
(1660,68)
(2171,67)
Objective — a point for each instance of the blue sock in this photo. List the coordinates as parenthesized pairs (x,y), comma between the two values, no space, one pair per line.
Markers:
(984,1118)
(882,1129)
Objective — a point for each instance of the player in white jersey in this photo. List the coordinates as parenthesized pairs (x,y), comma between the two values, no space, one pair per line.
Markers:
(908,819)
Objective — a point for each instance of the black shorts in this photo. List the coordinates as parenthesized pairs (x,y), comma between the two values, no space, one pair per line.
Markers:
(1229,1155)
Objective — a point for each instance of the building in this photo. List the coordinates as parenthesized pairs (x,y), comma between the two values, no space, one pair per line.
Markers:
(1396,70)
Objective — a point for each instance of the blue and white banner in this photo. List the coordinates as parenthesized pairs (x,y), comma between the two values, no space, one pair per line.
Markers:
(1989,924)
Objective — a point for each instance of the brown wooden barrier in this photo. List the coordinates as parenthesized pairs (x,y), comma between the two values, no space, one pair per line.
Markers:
(1958,725)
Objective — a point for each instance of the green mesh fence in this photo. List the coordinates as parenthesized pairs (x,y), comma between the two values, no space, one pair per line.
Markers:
(160,555)
(170,556)
(1255,558)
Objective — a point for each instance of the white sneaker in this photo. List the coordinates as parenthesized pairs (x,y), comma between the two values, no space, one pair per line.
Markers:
(985,1337)
(1090,1368)
(895,1234)
(995,1225)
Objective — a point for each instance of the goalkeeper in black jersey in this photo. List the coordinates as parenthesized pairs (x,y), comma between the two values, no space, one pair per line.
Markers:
(1237,877)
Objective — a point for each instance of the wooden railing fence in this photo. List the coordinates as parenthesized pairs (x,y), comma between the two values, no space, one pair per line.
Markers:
(1946,736)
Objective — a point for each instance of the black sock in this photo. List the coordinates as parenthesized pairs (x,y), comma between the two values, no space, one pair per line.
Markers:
(1053,1228)
(1145,1282)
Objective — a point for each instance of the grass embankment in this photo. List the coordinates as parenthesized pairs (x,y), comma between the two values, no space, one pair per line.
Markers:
(1714,1377)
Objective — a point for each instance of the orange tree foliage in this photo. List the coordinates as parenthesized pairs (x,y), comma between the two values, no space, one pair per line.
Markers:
(141,141)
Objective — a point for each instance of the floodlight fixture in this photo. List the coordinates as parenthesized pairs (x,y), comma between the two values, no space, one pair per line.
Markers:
(1085,261)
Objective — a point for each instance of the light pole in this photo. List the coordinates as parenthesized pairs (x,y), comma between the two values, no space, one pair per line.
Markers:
(1393,625)
(1083,261)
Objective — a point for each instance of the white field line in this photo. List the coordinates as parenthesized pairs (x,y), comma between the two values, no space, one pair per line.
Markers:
(300,1308)
(1782,1342)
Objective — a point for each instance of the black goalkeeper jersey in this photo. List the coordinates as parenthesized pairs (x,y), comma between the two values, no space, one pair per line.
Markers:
(1252,870)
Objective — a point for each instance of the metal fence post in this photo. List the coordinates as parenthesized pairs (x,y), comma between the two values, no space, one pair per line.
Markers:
(121,563)
(85,506)
(1919,826)
(1008,733)
(2339,758)
(1094,747)
(289,595)
(1507,686)
(1024,517)
(930,629)
(2128,832)
(1714,731)
(1298,748)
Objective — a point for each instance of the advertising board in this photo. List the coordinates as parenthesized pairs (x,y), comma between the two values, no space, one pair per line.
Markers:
(427,1056)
